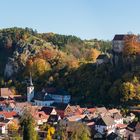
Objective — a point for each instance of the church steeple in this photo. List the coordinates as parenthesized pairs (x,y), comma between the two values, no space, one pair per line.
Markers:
(31,82)
(30,90)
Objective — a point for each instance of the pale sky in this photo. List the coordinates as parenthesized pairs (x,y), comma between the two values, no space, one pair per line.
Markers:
(86,19)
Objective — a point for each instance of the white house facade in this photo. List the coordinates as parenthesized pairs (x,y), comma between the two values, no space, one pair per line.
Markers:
(59,95)
(105,124)
(43,103)
(60,98)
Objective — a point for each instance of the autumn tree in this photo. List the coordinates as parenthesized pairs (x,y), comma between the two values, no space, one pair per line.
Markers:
(127,91)
(13,127)
(50,132)
(131,45)
(79,131)
(28,125)
(38,67)
(93,54)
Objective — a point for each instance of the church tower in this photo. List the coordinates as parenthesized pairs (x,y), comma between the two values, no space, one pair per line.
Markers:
(30,90)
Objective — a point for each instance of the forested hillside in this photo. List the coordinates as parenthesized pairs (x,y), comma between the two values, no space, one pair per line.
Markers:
(70,63)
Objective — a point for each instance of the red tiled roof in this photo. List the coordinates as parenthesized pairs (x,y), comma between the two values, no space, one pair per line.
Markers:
(8,114)
(121,125)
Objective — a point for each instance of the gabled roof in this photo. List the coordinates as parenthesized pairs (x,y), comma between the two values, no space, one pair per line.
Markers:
(102,56)
(113,136)
(7,114)
(105,121)
(55,91)
(5,92)
(119,37)
(47,110)
(101,110)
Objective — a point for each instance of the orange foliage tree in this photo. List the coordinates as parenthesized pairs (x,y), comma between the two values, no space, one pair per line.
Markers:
(131,45)
(13,127)
(93,54)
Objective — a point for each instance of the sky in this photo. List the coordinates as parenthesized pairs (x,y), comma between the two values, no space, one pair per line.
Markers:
(87,19)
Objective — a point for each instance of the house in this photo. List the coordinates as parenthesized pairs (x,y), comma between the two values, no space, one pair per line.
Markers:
(113,136)
(43,99)
(119,40)
(60,108)
(101,111)
(118,43)
(59,95)
(118,119)
(2,128)
(73,110)
(5,92)
(102,58)
(130,117)
(121,130)
(7,115)
(133,131)
(105,124)
(40,117)
(89,121)
(4,125)
(46,97)
(66,110)
(53,119)
(49,110)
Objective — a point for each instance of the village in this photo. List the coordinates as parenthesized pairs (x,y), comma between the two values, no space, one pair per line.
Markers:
(53,106)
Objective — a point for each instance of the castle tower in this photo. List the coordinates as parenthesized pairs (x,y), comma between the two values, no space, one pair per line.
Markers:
(30,90)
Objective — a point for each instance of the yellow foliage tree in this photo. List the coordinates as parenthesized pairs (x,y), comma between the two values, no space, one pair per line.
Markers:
(50,133)
(128,91)
(38,66)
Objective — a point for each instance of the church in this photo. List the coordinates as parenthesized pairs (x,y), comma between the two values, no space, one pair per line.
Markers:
(47,96)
